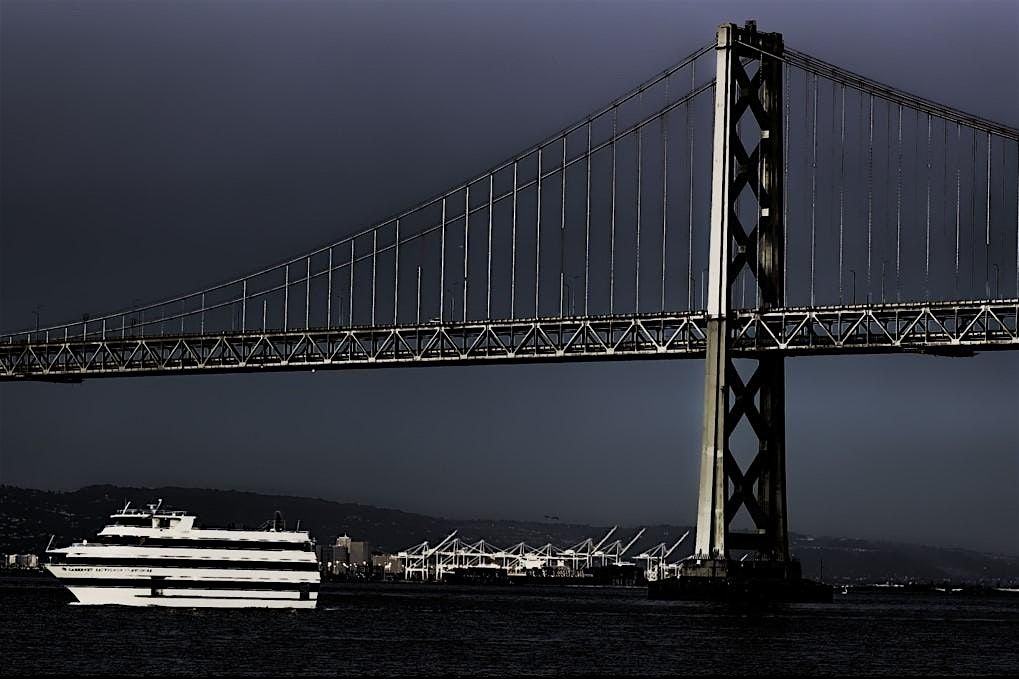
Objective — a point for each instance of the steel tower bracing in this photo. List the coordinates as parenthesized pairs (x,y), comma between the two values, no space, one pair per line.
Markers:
(747,162)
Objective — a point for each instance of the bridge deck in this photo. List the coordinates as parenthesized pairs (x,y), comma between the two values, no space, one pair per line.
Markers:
(956,328)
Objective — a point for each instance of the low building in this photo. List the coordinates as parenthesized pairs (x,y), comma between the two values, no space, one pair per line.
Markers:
(333,559)
(360,554)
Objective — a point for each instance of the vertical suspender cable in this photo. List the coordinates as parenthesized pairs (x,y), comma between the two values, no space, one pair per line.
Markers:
(417,315)
(329,291)
(587,225)
(832,178)
(417,288)
(513,249)
(1004,208)
(467,223)
(987,232)
(887,212)
(665,188)
(636,285)
(286,295)
(870,191)
(973,210)
(860,128)
(491,208)
(916,157)
(944,180)
(562,233)
(927,249)
(690,146)
(442,262)
(396,275)
(807,161)
(958,202)
(898,214)
(537,241)
(786,95)
(375,250)
(813,191)
(842,187)
(612,226)
(350,292)
(307,293)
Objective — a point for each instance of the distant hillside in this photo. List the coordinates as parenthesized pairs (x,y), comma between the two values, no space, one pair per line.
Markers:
(28,517)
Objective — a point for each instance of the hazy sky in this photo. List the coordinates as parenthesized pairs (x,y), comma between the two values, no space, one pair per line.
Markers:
(151,148)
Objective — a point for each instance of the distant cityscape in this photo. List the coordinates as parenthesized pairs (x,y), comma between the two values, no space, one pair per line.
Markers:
(453,559)
(360,543)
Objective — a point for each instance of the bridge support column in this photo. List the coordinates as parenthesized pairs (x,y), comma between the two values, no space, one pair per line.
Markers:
(745,244)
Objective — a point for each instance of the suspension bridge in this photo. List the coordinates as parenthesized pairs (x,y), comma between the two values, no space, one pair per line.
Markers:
(749,203)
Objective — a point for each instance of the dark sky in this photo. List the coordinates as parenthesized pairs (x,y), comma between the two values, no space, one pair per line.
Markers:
(151,148)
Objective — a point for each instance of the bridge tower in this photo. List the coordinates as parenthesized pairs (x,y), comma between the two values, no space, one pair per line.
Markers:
(747,160)
(747,167)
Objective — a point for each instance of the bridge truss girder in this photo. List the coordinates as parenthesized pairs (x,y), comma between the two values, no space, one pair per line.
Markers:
(947,328)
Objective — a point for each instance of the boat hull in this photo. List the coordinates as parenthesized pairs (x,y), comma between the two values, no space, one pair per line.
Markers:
(194,588)
(142,597)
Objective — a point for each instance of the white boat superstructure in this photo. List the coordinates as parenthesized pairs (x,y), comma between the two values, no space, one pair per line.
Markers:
(159,557)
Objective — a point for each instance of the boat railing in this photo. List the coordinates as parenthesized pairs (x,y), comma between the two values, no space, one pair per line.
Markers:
(138,512)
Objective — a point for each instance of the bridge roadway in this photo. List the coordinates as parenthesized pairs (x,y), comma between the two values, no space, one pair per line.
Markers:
(946,328)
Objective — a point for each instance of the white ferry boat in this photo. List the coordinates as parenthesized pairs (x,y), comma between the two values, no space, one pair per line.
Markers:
(159,557)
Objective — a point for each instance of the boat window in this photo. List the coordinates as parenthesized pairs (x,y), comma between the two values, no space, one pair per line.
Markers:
(197,562)
(140,521)
(168,542)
